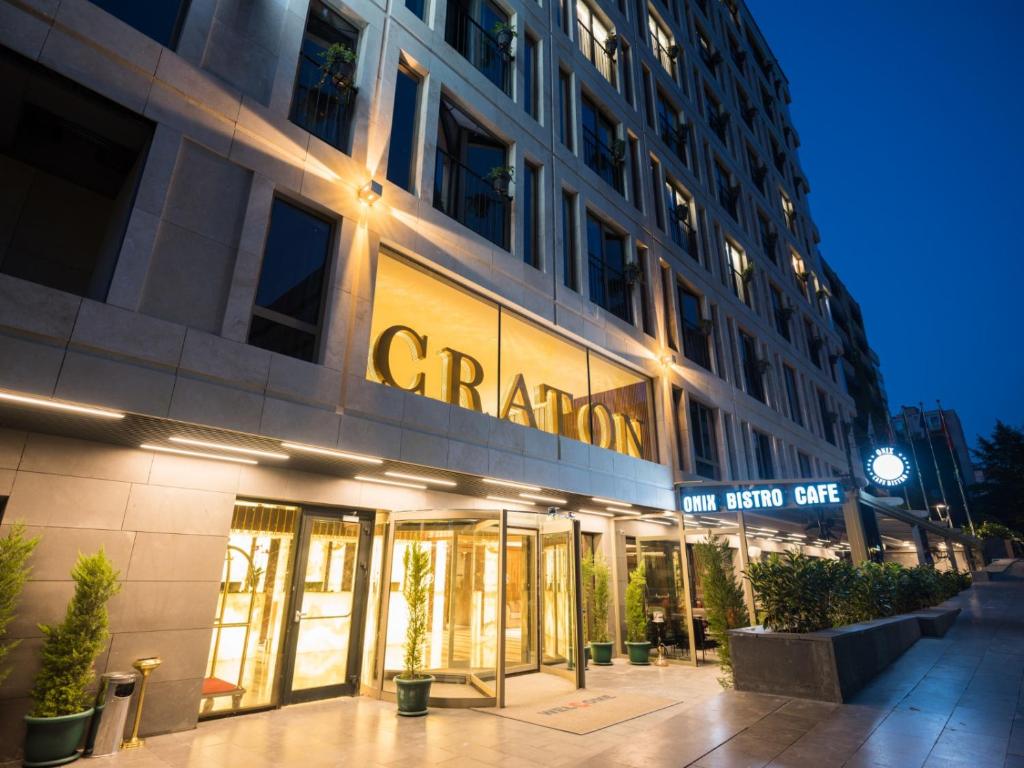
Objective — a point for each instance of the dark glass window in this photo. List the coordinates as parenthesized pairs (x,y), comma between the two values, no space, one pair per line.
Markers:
(416,6)
(666,291)
(655,203)
(70,161)
(323,101)
(402,149)
(805,465)
(603,153)
(695,329)
(158,19)
(478,29)
(793,395)
(289,299)
(814,343)
(671,129)
(727,195)
(606,252)
(531,215)
(646,321)
(753,378)
(565,128)
(531,91)
(570,274)
(828,418)
(702,434)
(780,313)
(768,237)
(763,454)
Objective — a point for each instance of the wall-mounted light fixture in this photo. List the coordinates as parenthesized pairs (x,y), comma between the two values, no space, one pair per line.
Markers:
(371,192)
(667,360)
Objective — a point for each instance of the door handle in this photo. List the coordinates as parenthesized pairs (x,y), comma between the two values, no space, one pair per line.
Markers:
(299,616)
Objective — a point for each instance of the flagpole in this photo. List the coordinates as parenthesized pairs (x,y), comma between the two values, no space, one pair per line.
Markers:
(935,460)
(917,466)
(956,466)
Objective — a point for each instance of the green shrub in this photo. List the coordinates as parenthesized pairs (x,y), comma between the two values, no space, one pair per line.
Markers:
(795,592)
(723,598)
(992,529)
(636,605)
(71,647)
(415,589)
(15,550)
(601,598)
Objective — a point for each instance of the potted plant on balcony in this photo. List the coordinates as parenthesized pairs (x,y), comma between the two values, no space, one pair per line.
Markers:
(707,326)
(618,150)
(338,64)
(747,273)
(600,645)
(672,51)
(56,724)
(637,644)
(15,549)
(412,685)
(611,44)
(504,33)
(500,177)
(632,274)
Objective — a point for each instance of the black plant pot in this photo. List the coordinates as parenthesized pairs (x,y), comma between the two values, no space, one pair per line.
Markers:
(413,696)
(54,740)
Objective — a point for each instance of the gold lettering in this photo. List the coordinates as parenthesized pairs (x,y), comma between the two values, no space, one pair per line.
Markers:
(559,404)
(382,356)
(628,432)
(455,389)
(518,399)
(602,418)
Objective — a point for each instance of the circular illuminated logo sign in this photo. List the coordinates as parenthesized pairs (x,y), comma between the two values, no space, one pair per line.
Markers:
(887,467)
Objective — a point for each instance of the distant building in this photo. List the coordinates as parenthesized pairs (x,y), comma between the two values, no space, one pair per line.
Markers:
(922,435)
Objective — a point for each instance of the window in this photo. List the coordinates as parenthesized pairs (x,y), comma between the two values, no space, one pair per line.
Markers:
(665,51)
(741,273)
(747,111)
(655,203)
(531,214)
(705,446)
(289,299)
(780,313)
(666,292)
(402,148)
(763,455)
(800,273)
(753,367)
(565,124)
(727,194)
(531,84)
(814,343)
(597,40)
(570,272)
(158,19)
(603,153)
(805,465)
(471,175)
(789,212)
(479,30)
(320,104)
(648,90)
(793,395)
(606,256)
(709,55)
(646,321)
(696,329)
(635,177)
(767,236)
(718,118)
(416,6)
(680,218)
(671,129)
(677,409)
(70,161)
(758,170)
(828,418)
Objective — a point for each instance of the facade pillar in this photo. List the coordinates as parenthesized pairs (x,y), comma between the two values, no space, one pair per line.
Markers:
(952,555)
(924,557)
(855,527)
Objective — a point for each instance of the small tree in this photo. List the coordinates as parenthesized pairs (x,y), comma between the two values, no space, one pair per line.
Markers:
(602,600)
(71,647)
(723,598)
(415,589)
(636,607)
(15,550)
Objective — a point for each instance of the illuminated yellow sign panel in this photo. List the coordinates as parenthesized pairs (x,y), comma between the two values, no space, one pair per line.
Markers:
(430,337)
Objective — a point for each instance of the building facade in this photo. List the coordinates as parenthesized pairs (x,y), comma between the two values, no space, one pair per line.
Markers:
(286,286)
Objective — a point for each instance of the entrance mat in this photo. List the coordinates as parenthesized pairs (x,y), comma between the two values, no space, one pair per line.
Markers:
(583,711)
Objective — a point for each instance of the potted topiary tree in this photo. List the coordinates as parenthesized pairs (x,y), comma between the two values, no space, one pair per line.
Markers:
(637,644)
(57,721)
(413,687)
(15,549)
(600,645)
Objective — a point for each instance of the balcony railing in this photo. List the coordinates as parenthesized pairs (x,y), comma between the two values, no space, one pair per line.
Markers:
(695,344)
(596,53)
(323,106)
(683,234)
(609,289)
(480,47)
(600,158)
(471,199)
(665,56)
(674,136)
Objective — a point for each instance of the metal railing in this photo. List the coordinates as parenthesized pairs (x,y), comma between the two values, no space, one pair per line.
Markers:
(674,135)
(596,53)
(479,47)
(664,58)
(599,157)
(471,200)
(321,106)
(695,345)
(683,234)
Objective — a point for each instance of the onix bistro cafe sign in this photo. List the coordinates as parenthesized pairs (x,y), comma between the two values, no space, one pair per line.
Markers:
(762,497)
(435,339)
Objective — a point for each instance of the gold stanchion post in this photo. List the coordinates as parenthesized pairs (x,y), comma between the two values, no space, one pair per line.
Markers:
(145,666)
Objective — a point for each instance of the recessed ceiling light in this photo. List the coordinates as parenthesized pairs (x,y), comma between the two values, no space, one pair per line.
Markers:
(422,478)
(232,448)
(548,499)
(55,405)
(595,512)
(621,511)
(599,500)
(510,484)
(332,454)
(197,454)
(380,481)
(512,501)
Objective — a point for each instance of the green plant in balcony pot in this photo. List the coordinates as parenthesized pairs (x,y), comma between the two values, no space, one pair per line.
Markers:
(601,646)
(412,685)
(61,710)
(15,549)
(338,64)
(723,599)
(637,644)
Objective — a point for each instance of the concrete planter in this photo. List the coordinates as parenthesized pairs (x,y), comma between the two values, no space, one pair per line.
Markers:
(935,622)
(830,665)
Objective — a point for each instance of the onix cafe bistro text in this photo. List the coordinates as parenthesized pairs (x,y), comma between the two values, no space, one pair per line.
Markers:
(763,497)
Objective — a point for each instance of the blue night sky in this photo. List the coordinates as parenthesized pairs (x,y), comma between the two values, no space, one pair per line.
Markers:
(910,115)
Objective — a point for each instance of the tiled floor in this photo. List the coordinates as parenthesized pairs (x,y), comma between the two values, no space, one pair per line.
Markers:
(949,703)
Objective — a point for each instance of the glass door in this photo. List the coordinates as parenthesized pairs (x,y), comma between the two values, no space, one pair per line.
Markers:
(666,595)
(520,601)
(328,603)
(560,636)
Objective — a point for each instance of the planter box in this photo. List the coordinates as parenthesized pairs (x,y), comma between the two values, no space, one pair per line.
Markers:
(830,665)
(935,622)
